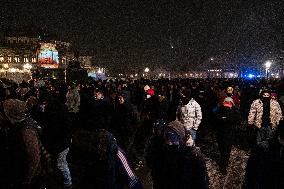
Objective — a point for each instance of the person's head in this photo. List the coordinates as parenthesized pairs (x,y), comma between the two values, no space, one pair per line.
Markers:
(99,94)
(121,98)
(72,86)
(175,134)
(274,96)
(265,95)
(159,127)
(185,95)
(113,94)
(24,87)
(31,102)
(161,97)
(43,94)
(104,144)
(229,91)
(146,88)
(15,110)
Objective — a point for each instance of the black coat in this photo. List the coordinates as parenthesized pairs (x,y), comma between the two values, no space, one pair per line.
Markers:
(99,115)
(227,119)
(106,166)
(173,168)
(125,118)
(265,167)
(56,127)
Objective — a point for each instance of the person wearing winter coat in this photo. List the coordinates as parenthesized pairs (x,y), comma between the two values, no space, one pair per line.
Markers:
(174,162)
(229,92)
(73,99)
(228,117)
(108,167)
(189,113)
(100,110)
(173,96)
(25,144)
(264,116)
(56,137)
(124,121)
(265,167)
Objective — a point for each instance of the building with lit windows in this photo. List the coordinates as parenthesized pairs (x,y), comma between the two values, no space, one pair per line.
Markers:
(22,52)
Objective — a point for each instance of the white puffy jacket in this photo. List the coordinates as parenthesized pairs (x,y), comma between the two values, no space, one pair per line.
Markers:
(190,114)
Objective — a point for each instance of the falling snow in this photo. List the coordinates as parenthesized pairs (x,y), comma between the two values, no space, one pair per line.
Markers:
(158,33)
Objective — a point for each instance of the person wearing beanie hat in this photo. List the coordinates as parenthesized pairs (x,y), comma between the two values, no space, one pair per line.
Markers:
(124,122)
(175,134)
(56,136)
(174,164)
(265,167)
(100,111)
(264,116)
(25,90)
(189,113)
(26,147)
(146,88)
(228,118)
(15,110)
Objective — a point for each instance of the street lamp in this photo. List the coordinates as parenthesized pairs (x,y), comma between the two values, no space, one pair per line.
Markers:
(267,67)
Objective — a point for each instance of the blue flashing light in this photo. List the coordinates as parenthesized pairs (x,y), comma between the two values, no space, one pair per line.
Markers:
(251,76)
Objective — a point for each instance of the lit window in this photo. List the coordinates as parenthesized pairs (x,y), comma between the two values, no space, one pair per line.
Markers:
(9,59)
(26,60)
(1,59)
(33,59)
(17,59)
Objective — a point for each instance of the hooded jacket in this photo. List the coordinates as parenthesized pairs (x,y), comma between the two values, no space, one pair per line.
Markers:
(26,156)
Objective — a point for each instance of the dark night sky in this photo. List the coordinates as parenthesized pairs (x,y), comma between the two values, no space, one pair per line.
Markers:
(143,32)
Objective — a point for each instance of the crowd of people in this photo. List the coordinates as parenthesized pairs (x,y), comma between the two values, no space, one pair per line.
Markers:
(119,126)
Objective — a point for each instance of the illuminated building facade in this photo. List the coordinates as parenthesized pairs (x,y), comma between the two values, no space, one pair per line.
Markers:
(20,51)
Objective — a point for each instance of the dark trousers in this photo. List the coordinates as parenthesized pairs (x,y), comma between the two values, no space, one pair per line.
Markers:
(225,140)
(264,133)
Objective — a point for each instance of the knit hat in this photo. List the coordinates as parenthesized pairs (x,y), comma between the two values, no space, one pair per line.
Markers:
(274,94)
(228,102)
(172,137)
(175,133)
(146,88)
(14,110)
(262,91)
